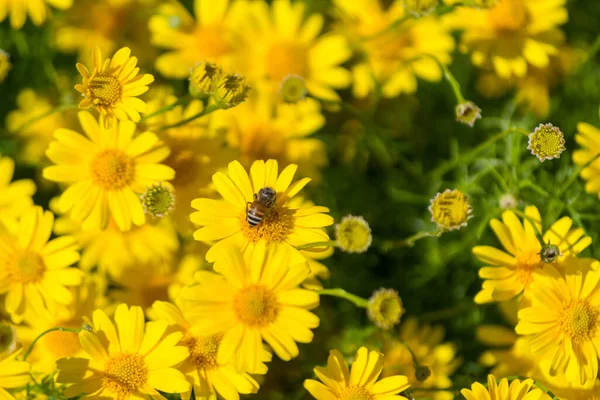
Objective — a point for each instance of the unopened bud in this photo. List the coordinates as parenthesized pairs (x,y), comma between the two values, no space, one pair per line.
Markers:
(468,113)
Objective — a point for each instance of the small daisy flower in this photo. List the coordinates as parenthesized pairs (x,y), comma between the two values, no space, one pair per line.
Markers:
(158,200)
(292,89)
(385,308)
(125,359)
(204,77)
(468,113)
(5,65)
(13,373)
(353,234)
(112,87)
(518,390)
(359,383)
(546,142)
(450,209)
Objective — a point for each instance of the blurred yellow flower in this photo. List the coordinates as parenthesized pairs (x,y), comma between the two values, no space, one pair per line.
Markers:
(225,221)
(112,87)
(361,382)
(518,390)
(5,65)
(588,137)
(510,273)
(281,40)
(385,308)
(563,319)
(106,169)
(256,297)
(36,135)
(13,373)
(36,273)
(135,363)
(395,53)
(420,354)
(202,369)
(15,195)
(450,209)
(38,10)
(512,35)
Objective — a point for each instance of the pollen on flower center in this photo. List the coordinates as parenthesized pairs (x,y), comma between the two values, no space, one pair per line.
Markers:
(112,169)
(578,320)
(26,267)
(203,350)
(104,89)
(285,59)
(275,226)
(527,263)
(256,305)
(355,393)
(125,373)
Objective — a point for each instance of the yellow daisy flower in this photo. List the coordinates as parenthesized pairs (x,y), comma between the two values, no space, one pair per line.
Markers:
(112,87)
(359,383)
(36,273)
(202,369)
(38,10)
(518,390)
(225,221)
(37,135)
(106,169)
(393,58)
(208,37)
(262,129)
(279,40)
(15,195)
(510,272)
(129,360)
(255,298)
(512,35)
(562,321)
(588,137)
(420,354)
(13,374)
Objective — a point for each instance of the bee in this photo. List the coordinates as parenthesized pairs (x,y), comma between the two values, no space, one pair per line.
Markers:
(263,201)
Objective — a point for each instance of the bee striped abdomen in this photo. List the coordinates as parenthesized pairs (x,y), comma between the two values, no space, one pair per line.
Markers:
(254,216)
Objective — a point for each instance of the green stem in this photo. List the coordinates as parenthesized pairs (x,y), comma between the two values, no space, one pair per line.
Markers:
(56,110)
(329,243)
(388,28)
(57,328)
(450,78)
(209,109)
(342,294)
(181,101)
(409,241)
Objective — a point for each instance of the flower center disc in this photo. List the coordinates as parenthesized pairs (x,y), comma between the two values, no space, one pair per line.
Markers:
(125,373)
(112,169)
(27,267)
(578,321)
(104,89)
(275,226)
(285,59)
(203,350)
(256,305)
(355,393)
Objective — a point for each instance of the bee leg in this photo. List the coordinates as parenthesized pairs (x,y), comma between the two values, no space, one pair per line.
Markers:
(247,205)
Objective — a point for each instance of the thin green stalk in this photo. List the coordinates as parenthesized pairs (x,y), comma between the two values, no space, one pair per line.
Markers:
(209,109)
(409,241)
(306,246)
(56,110)
(342,294)
(57,328)
(181,101)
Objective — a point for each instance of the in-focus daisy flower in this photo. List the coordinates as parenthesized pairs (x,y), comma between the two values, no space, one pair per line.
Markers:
(512,35)
(262,129)
(393,58)
(420,354)
(281,40)
(36,136)
(106,168)
(202,369)
(36,271)
(225,221)
(385,308)
(468,113)
(15,195)
(563,321)
(518,390)
(511,271)
(353,234)
(112,87)
(208,37)
(359,383)
(5,65)
(588,137)
(158,200)
(255,298)
(38,10)
(13,373)
(126,359)
(450,209)
(546,142)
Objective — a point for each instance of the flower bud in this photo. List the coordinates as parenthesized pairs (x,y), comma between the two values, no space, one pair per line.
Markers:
(468,113)
(353,234)
(231,90)
(546,142)
(385,308)
(203,78)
